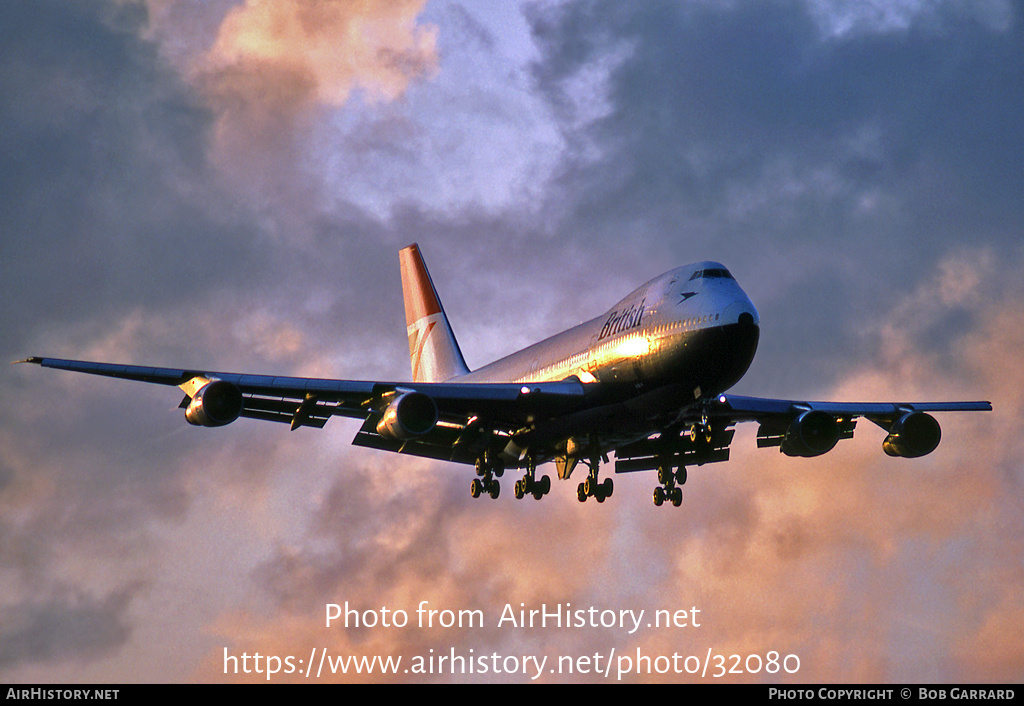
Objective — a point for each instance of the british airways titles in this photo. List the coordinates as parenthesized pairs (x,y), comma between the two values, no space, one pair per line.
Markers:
(623,321)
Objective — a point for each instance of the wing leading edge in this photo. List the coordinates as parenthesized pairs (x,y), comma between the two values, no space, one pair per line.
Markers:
(758,408)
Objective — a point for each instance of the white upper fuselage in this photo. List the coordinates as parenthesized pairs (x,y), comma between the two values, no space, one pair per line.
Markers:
(649,337)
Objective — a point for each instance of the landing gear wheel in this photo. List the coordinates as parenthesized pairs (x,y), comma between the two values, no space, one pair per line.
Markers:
(664,474)
(700,433)
(669,489)
(592,487)
(601,491)
(487,467)
(541,487)
(529,485)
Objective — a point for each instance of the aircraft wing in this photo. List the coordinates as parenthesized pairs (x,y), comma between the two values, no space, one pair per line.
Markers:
(813,428)
(460,421)
(451,421)
(704,431)
(759,409)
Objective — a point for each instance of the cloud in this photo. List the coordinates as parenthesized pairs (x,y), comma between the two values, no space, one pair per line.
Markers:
(274,62)
(736,129)
(417,541)
(841,18)
(274,67)
(339,45)
(71,628)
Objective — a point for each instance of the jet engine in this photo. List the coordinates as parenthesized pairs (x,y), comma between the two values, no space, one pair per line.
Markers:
(912,435)
(215,404)
(813,433)
(409,415)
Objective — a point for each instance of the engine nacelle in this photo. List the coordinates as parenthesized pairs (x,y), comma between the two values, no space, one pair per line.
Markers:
(216,403)
(813,433)
(409,415)
(912,435)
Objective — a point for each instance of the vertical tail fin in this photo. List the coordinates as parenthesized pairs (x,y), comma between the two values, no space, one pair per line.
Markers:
(433,350)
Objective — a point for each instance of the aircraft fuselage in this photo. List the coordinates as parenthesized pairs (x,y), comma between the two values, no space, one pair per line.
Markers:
(692,328)
(686,335)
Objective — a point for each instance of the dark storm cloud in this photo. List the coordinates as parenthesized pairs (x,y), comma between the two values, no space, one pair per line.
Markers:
(706,98)
(114,237)
(111,204)
(103,170)
(70,628)
(123,240)
(100,152)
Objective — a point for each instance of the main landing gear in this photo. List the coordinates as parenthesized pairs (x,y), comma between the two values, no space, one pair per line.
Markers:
(529,485)
(488,467)
(591,487)
(700,435)
(668,490)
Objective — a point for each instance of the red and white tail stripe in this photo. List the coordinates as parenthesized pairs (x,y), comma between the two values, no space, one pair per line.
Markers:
(433,350)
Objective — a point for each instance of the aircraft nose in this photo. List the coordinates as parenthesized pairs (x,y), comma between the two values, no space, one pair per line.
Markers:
(741,311)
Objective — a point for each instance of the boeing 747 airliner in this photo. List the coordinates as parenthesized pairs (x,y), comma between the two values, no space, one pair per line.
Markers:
(647,380)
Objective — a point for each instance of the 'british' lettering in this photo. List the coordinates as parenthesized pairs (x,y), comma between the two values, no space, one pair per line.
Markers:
(622,321)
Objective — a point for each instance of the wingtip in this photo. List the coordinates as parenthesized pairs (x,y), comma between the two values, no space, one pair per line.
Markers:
(34,359)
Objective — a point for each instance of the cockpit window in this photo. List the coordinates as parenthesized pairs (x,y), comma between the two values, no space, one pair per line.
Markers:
(711,273)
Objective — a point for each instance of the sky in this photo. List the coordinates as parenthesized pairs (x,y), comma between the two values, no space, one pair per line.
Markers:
(225,184)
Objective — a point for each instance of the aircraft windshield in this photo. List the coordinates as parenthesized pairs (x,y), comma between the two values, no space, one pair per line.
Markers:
(711,273)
